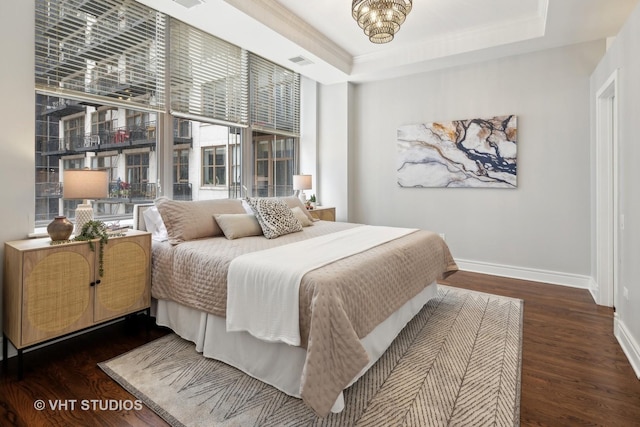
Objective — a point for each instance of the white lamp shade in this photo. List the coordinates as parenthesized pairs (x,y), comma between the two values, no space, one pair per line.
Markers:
(302,182)
(85,184)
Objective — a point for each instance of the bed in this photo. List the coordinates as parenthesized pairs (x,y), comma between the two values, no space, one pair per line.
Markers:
(348,309)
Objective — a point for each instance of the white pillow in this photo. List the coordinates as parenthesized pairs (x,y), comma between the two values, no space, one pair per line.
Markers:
(155,225)
(235,226)
(246,207)
(302,216)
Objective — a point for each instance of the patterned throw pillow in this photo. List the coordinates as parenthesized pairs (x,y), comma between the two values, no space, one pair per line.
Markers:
(274,216)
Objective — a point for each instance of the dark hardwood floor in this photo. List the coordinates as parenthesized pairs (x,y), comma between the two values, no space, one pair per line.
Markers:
(573,370)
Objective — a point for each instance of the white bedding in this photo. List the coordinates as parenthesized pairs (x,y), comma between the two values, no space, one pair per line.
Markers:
(263,286)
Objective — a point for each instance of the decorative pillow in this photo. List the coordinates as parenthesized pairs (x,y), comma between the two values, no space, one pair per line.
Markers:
(188,220)
(246,207)
(154,224)
(292,202)
(301,216)
(275,217)
(235,226)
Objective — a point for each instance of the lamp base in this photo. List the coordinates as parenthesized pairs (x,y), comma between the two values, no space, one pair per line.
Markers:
(84,213)
(302,197)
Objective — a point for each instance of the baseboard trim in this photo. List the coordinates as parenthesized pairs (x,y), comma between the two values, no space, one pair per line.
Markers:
(629,345)
(523,273)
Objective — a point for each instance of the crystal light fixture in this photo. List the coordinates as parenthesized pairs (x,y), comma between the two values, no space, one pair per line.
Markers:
(380,19)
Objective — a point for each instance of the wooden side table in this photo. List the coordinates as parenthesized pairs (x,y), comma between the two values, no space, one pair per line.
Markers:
(325,213)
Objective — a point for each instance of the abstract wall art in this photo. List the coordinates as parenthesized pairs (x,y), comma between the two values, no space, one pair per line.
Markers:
(460,153)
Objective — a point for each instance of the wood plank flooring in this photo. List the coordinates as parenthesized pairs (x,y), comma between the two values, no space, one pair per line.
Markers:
(573,371)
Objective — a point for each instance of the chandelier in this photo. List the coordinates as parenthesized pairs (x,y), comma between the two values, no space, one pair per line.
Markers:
(380,19)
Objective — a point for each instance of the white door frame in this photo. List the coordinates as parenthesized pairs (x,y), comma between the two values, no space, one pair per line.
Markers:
(607,215)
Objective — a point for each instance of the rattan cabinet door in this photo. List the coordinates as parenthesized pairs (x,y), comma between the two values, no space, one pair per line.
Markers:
(57,293)
(124,286)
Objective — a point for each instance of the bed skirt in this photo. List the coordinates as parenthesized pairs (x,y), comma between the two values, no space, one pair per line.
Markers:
(278,364)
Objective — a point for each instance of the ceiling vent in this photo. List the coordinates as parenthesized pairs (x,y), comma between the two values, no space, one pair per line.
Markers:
(189,3)
(300,60)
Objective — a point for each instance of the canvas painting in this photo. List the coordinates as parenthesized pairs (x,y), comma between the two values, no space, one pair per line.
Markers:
(459,153)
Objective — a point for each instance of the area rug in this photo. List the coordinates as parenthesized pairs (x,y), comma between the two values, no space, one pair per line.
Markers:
(457,363)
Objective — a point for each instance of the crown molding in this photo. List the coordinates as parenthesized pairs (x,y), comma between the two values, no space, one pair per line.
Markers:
(281,20)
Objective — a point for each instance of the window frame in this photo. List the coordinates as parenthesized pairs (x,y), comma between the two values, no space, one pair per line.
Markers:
(215,166)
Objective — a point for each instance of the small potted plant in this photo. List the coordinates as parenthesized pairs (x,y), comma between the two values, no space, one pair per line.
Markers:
(312,201)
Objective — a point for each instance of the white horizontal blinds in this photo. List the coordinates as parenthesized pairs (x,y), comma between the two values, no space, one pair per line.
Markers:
(274,97)
(208,76)
(101,49)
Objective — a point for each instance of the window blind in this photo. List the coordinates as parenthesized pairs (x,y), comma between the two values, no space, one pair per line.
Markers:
(208,77)
(274,97)
(110,51)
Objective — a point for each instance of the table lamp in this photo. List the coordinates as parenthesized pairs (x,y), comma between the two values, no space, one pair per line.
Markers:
(85,184)
(301,183)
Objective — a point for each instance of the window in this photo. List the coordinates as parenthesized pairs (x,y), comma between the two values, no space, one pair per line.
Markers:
(274,97)
(208,76)
(181,130)
(235,162)
(102,120)
(180,166)
(102,126)
(99,78)
(100,96)
(97,148)
(274,166)
(74,133)
(137,182)
(110,163)
(214,166)
(181,185)
(112,50)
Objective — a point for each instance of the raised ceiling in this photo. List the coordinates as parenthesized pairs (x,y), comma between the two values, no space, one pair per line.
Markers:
(436,34)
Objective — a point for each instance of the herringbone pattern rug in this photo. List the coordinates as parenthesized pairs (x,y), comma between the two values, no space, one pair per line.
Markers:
(457,363)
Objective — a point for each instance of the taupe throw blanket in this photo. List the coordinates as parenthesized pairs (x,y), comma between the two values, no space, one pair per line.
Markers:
(339,303)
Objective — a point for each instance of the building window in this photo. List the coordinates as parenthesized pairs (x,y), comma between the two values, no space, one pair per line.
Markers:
(110,163)
(102,120)
(235,162)
(74,133)
(137,120)
(181,184)
(275,162)
(181,130)
(137,181)
(181,166)
(214,166)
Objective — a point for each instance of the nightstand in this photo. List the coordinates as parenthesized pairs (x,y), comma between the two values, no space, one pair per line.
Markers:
(324,213)
(54,290)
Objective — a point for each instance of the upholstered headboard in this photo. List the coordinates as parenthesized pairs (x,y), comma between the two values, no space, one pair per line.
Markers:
(138,219)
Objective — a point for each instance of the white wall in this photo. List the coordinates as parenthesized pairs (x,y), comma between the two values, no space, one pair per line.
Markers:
(541,230)
(334,121)
(17,111)
(309,131)
(624,55)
